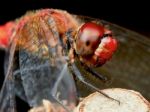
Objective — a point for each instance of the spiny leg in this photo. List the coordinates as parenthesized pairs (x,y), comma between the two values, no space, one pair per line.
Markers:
(77,73)
(97,75)
(55,88)
(60,103)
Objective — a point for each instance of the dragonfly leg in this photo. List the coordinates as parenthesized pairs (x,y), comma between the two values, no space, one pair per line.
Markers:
(60,103)
(97,75)
(77,73)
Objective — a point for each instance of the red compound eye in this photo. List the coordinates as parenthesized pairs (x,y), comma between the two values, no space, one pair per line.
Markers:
(88,38)
(106,49)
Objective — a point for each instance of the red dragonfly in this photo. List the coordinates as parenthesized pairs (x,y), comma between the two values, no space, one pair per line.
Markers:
(45,46)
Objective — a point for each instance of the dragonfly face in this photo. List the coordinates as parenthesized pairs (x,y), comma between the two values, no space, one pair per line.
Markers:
(47,43)
(94,44)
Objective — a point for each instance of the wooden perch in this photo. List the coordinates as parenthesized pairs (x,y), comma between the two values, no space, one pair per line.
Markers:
(130,101)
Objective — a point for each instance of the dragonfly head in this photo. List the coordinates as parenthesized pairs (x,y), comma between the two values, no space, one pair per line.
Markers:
(94,44)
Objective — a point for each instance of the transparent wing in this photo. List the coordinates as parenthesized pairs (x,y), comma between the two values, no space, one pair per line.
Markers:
(7,94)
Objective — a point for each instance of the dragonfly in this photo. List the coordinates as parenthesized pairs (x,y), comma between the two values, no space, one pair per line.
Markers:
(42,50)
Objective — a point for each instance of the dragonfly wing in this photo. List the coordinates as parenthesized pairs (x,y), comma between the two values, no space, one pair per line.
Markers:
(19,89)
(42,80)
(7,93)
(36,78)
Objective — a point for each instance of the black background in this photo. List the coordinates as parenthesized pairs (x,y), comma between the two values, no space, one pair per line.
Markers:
(134,16)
